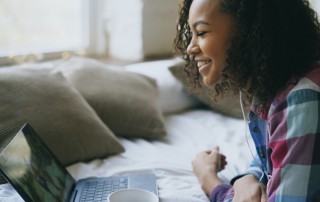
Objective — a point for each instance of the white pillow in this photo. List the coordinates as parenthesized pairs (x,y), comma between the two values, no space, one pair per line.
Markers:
(172,96)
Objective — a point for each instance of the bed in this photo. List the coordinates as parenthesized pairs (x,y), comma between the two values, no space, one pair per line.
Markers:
(189,125)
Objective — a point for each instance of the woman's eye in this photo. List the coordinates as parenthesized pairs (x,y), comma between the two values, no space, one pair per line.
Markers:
(201,33)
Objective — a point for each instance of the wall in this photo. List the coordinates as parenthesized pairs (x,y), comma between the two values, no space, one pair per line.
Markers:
(140,29)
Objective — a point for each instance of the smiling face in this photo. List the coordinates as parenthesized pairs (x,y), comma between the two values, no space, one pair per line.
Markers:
(211,33)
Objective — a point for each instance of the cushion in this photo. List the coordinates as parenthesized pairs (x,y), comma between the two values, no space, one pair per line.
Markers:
(57,112)
(228,104)
(125,101)
(168,85)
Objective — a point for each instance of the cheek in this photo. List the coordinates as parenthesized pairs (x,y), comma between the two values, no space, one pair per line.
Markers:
(215,49)
(219,55)
(209,47)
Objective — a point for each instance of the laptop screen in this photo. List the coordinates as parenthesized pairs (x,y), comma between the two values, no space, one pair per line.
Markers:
(32,170)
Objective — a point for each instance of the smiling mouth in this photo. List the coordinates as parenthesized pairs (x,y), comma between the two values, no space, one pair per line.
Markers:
(202,63)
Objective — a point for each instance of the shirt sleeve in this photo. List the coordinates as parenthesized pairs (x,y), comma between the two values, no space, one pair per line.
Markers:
(225,193)
(222,193)
(294,141)
(254,169)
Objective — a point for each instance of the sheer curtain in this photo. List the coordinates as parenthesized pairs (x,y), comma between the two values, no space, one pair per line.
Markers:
(36,29)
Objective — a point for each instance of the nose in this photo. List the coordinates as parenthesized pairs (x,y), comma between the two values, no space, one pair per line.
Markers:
(193,47)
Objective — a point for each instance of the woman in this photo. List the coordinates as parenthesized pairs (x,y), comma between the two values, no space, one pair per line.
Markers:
(268,50)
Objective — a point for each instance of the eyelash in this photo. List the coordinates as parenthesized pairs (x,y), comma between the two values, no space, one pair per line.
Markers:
(201,33)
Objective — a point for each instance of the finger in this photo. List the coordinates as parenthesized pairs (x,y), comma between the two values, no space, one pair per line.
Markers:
(223,156)
(216,149)
(215,152)
(263,198)
(223,164)
(208,151)
(263,193)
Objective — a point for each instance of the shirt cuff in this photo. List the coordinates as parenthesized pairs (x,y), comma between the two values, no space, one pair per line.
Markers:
(220,193)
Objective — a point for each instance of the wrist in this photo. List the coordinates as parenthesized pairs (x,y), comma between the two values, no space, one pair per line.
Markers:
(209,183)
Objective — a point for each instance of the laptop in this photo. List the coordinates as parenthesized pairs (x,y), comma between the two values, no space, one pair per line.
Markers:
(37,175)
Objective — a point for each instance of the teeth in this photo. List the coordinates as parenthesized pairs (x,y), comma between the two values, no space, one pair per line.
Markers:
(201,63)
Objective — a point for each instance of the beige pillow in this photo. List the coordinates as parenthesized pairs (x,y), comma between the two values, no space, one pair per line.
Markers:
(57,112)
(172,95)
(125,101)
(229,104)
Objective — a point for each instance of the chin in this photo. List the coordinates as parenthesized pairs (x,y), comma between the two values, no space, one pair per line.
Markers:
(211,80)
(208,82)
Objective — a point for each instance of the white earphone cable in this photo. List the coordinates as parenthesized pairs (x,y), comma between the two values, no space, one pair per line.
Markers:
(246,135)
(245,125)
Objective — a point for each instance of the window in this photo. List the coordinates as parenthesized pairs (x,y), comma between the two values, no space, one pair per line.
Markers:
(36,29)
(315,4)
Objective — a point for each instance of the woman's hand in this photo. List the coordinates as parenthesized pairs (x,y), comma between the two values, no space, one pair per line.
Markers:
(248,188)
(206,165)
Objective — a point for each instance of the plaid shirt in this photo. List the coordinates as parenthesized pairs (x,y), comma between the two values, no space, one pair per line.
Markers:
(287,140)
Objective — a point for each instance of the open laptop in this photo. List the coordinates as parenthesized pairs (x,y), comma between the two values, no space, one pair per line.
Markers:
(37,175)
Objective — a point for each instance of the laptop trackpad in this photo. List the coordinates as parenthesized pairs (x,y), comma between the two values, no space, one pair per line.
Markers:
(144,181)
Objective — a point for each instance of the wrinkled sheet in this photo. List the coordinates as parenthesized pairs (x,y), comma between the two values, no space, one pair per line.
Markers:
(170,158)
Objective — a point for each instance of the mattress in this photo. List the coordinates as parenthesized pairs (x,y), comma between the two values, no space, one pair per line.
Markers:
(189,132)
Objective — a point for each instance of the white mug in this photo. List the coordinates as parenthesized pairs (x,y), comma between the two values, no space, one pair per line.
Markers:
(132,195)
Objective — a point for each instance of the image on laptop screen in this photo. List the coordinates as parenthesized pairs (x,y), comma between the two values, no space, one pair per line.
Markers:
(32,171)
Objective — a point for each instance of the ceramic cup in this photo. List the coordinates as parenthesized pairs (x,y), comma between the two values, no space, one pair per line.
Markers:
(133,195)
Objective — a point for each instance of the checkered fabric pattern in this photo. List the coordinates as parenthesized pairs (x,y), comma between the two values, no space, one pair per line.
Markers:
(287,140)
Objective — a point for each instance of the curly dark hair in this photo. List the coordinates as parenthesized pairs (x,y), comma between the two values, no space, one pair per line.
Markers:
(274,41)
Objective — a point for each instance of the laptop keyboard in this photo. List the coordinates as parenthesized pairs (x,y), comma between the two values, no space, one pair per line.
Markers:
(99,191)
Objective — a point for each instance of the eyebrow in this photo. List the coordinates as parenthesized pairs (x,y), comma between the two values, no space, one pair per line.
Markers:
(200,22)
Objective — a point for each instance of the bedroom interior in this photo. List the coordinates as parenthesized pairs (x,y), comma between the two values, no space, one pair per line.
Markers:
(119,102)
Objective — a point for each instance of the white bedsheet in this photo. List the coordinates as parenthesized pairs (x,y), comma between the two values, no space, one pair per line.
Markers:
(188,133)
